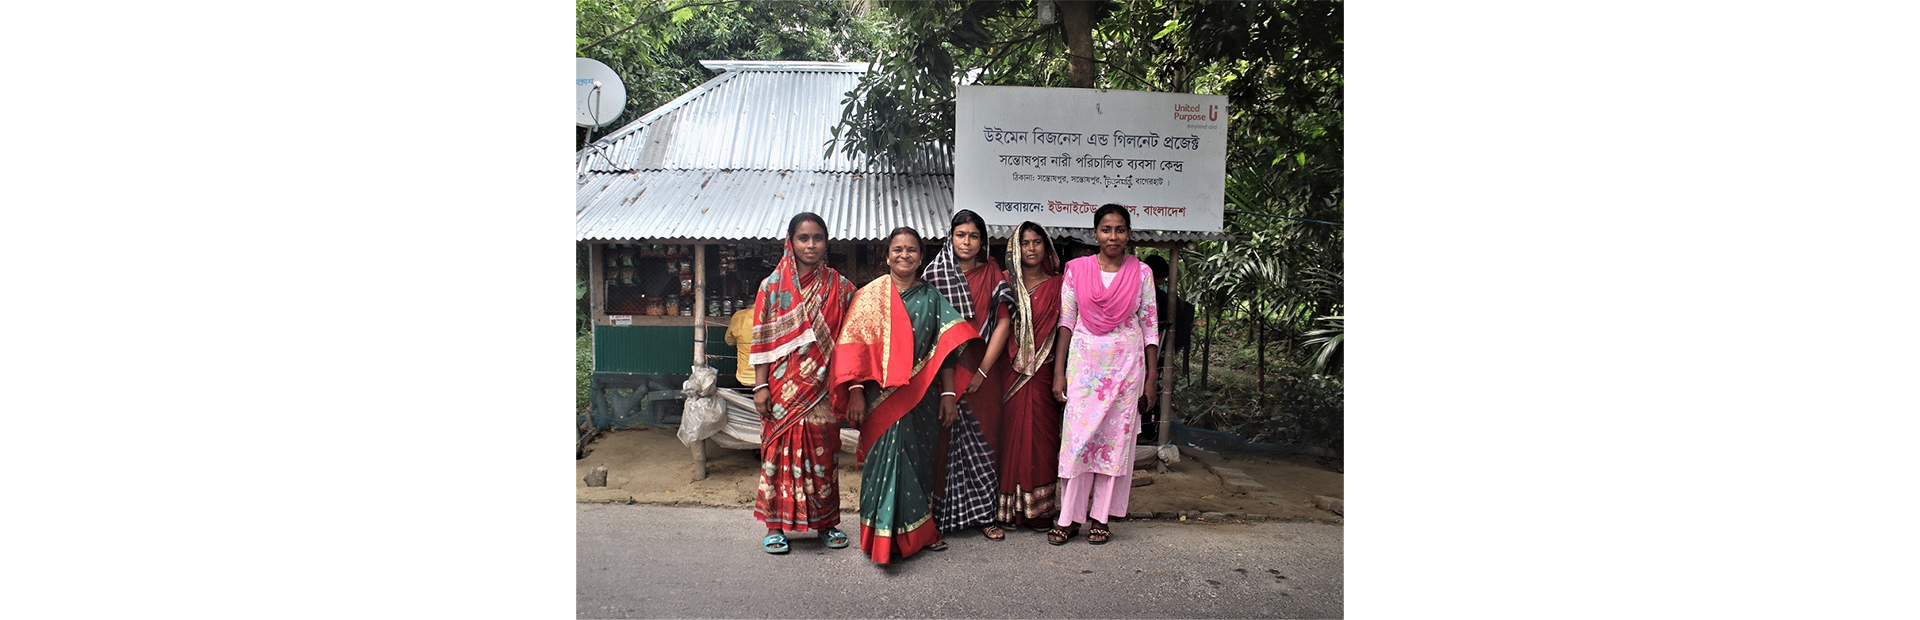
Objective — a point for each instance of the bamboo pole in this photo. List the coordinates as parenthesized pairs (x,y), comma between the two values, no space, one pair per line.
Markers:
(699,304)
(596,285)
(699,448)
(1166,349)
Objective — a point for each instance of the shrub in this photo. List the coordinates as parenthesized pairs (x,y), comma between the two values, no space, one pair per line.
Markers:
(582,372)
(1309,411)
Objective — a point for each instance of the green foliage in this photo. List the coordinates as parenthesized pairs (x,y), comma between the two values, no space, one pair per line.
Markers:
(582,372)
(1308,411)
(582,271)
(1297,409)
(656,46)
(906,101)
(1325,345)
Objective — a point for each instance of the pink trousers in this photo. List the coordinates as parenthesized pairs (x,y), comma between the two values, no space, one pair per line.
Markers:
(1099,496)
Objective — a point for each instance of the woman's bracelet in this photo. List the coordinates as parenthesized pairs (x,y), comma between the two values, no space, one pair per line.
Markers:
(982,371)
(759,387)
(950,394)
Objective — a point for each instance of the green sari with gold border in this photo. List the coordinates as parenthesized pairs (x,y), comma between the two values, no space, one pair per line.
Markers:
(899,439)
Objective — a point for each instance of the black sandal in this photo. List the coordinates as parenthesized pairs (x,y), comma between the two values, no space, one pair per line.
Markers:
(938,545)
(1097,528)
(1057,536)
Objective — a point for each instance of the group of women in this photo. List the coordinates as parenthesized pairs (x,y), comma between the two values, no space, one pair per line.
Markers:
(951,438)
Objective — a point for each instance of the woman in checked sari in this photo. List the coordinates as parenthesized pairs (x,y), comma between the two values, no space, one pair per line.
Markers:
(895,358)
(970,282)
(797,316)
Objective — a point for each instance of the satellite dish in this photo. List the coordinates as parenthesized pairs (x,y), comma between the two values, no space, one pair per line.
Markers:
(599,97)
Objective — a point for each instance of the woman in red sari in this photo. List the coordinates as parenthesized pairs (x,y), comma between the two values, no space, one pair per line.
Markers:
(796,319)
(1029,442)
(895,358)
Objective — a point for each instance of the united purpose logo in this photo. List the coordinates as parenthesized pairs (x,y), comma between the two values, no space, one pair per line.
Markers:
(1192,112)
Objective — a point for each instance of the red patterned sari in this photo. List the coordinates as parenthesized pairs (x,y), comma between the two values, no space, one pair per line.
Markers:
(796,320)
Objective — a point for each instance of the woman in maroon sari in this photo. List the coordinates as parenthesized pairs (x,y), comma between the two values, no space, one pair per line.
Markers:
(1029,442)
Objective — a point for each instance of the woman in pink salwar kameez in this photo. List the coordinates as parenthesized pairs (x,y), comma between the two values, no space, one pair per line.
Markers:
(1107,319)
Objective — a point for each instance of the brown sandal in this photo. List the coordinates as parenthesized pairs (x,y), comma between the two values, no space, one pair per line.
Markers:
(994,532)
(1058,536)
(1097,533)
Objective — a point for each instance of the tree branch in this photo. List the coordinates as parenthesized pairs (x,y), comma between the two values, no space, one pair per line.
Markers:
(1008,47)
(649,18)
(1143,81)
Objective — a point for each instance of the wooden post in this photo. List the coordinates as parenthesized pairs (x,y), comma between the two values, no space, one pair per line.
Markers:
(596,285)
(1166,348)
(699,343)
(699,304)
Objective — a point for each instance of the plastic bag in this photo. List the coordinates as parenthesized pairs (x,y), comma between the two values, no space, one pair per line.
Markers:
(702,414)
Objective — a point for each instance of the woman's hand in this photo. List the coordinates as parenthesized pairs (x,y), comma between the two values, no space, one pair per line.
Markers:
(949,410)
(1150,397)
(1062,340)
(856,407)
(763,402)
(974,386)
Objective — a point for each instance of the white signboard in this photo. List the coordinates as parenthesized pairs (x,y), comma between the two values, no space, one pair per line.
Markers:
(1054,155)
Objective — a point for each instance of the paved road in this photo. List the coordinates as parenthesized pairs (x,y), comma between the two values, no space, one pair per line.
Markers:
(644,561)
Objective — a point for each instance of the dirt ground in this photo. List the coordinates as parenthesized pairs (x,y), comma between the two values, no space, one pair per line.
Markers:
(649,465)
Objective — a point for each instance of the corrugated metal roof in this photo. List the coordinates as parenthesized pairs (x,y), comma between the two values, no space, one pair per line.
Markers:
(760,115)
(756,204)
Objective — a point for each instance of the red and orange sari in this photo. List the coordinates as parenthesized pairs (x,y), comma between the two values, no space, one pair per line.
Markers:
(896,342)
(796,317)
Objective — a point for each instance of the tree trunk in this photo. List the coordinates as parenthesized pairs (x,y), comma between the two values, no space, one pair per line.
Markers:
(1206,345)
(1076,16)
(1260,366)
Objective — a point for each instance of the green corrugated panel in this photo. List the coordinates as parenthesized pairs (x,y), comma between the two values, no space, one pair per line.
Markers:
(655,349)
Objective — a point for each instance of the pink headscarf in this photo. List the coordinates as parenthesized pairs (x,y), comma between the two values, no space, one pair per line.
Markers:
(1102,307)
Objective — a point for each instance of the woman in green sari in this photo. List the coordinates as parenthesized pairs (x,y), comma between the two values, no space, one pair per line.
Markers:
(895,357)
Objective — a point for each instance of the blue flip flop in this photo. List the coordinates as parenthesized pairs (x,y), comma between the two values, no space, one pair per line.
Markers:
(775,544)
(835,538)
